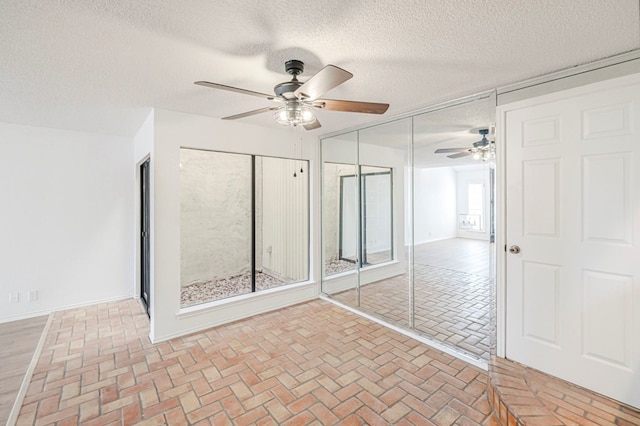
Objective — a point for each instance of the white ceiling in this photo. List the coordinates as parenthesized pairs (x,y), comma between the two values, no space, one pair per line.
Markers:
(454,126)
(100,65)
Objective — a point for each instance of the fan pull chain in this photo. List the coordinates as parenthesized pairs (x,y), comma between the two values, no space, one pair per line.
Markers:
(301,170)
(293,138)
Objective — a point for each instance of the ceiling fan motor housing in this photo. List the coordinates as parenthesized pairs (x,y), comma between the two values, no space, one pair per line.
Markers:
(484,141)
(294,67)
(286,89)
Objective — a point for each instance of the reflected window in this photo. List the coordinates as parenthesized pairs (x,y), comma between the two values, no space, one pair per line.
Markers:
(377,223)
(244,224)
(473,220)
(375,237)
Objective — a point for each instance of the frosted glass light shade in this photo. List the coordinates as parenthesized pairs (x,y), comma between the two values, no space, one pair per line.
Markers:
(294,114)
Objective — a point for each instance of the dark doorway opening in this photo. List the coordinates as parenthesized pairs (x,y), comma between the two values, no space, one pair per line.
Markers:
(145,291)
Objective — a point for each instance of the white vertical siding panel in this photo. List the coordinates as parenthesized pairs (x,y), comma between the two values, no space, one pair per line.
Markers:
(285,218)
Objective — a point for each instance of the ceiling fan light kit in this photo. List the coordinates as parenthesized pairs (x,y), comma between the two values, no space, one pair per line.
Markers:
(299,99)
(294,114)
(484,149)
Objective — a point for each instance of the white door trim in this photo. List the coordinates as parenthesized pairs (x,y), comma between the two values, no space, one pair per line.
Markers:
(501,185)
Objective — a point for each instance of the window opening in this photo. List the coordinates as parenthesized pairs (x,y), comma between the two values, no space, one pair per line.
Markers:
(244,224)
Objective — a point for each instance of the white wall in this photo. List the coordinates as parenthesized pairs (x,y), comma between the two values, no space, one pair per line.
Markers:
(215,215)
(283,213)
(434,204)
(173,130)
(143,141)
(65,219)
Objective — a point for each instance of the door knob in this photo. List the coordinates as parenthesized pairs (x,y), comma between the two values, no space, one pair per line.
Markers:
(514,249)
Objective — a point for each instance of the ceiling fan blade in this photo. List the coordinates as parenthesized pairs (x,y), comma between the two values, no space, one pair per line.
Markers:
(447,150)
(351,106)
(313,125)
(250,113)
(459,155)
(234,89)
(321,82)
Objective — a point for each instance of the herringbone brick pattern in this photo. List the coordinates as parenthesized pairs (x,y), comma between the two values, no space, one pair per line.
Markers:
(312,363)
(452,295)
(452,307)
(524,396)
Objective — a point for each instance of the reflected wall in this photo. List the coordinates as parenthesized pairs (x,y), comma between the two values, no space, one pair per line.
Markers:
(340,217)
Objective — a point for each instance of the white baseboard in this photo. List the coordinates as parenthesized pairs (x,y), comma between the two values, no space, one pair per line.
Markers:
(433,240)
(205,316)
(43,312)
(26,380)
(347,280)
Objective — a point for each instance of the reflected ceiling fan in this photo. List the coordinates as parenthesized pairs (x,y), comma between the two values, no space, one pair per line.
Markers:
(484,149)
(297,100)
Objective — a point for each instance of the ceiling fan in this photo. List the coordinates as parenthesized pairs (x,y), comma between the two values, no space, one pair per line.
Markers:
(483,149)
(297,100)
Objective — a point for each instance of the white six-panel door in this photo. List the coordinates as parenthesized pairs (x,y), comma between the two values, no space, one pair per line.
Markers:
(573,210)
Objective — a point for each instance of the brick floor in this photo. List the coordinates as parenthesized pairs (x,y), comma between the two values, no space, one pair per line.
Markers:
(452,295)
(452,307)
(525,396)
(312,363)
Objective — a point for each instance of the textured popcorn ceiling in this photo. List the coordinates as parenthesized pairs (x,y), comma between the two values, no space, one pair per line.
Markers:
(100,65)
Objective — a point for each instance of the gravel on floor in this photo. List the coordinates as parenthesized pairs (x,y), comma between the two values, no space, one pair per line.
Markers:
(335,266)
(196,294)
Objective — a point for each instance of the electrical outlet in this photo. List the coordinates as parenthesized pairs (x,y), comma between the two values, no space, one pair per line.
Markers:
(14,297)
(32,295)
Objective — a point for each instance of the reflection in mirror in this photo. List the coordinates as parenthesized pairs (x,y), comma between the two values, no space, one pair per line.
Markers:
(411,209)
(348,219)
(244,224)
(375,205)
(340,228)
(340,216)
(377,227)
(451,226)
(385,281)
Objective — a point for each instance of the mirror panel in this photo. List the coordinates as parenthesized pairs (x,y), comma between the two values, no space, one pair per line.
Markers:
(414,225)
(385,279)
(452,287)
(340,217)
